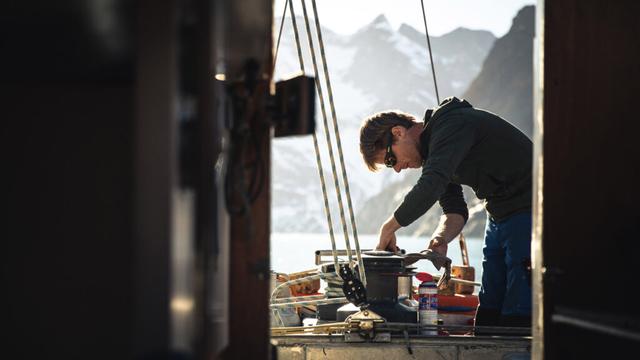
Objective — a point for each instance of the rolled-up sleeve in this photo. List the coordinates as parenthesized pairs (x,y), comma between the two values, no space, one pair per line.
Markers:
(450,141)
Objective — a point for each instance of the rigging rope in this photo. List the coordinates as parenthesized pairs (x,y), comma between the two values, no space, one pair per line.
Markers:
(316,147)
(435,83)
(433,69)
(275,56)
(336,129)
(326,128)
(328,138)
(340,156)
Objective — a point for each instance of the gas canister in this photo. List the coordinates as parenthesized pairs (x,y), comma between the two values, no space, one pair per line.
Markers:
(428,305)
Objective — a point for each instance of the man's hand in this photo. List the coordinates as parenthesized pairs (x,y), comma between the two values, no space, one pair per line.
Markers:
(439,246)
(387,236)
(387,242)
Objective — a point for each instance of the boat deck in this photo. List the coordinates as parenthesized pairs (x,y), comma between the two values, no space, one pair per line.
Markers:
(307,347)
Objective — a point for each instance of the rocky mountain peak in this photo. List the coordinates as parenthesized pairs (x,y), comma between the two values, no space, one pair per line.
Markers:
(381,20)
(505,84)
(524,20)
(379,25)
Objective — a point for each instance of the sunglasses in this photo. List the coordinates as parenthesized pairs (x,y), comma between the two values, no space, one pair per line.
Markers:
(389,158)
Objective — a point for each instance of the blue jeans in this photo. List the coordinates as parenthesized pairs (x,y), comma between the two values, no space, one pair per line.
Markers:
(506,281)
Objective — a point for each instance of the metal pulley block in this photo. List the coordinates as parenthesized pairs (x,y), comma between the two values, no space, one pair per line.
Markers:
(352,287)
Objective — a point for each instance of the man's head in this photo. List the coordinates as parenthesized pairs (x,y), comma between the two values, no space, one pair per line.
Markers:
(391,138)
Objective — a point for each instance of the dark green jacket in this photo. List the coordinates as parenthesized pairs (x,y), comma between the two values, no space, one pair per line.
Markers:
(462,145)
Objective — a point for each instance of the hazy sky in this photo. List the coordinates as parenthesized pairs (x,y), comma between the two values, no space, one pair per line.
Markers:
(347,16)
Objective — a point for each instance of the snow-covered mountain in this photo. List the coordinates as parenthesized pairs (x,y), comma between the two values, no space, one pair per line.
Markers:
(374,69)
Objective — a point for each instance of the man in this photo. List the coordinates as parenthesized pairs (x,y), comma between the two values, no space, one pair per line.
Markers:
(460,145)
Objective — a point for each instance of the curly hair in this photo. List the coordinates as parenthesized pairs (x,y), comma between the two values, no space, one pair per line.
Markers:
(373,129)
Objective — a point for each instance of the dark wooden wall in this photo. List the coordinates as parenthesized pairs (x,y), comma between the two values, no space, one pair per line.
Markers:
(68,110)
(591,214)
(90,141)
(112,127)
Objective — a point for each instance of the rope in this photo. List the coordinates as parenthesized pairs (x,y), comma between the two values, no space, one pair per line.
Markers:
(341,327)
(316,147)
(326,131)
(299,298)
(340,156)
(433,69)
(341,300)
(328,137)
(275,56)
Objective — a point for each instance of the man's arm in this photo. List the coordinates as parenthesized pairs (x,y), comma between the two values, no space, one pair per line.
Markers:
(449,227)
(387,239)
(452,221)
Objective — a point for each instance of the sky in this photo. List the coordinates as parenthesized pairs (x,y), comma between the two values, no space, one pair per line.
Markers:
(347,16)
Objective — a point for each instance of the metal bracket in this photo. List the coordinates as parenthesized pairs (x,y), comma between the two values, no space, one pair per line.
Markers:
(292,108)
(361,327)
